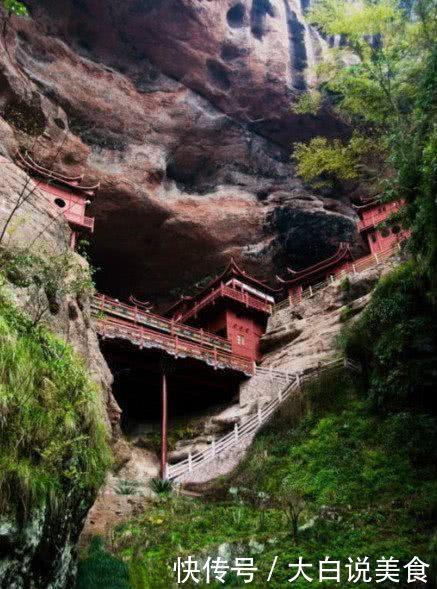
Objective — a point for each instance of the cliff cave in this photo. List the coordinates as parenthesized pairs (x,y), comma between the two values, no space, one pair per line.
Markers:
(195,390)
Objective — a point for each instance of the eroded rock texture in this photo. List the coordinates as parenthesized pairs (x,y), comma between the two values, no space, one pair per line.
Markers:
(41,554)
(181,108)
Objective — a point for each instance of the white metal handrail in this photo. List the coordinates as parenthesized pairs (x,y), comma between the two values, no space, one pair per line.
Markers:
(247,429)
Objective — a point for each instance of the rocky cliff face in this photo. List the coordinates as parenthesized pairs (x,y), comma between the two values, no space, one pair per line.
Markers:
(181,108)
(41,554)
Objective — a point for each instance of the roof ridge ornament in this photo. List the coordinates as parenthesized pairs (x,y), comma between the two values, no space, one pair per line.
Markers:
(146,305)
(342,251)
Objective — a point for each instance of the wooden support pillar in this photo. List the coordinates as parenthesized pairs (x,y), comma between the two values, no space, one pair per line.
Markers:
(73,237)
(164,426)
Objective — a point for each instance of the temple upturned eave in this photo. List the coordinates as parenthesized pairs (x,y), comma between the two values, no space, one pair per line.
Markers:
(71,183)
(342,254)
(232,271)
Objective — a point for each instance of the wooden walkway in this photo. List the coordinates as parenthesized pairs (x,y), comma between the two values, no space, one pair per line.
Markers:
(115,320)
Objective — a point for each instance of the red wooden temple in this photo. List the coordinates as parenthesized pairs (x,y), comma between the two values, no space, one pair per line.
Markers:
(116,320)
(378,239)
(219,327)
(234,306)
(316,273)
(67,193)
(372,214)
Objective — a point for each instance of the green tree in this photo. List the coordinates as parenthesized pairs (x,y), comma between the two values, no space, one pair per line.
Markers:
(382,84)
(15,7)
(322,162)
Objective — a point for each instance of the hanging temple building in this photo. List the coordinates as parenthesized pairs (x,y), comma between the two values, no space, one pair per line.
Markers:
(206,343)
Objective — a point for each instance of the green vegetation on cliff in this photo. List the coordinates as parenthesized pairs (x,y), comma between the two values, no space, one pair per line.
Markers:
(395,340)
(14,7)
(326,477)
(382,84)
(53,441)
(100,569)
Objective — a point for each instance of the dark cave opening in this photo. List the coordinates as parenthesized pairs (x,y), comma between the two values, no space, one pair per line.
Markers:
(260,9)
(195,389)
(235,16)
(217,74)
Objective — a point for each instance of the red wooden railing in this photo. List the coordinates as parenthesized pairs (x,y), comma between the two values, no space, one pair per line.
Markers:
(350,269)
(143,337)
(131,313)
(232,293)
(378,217)
(81,220)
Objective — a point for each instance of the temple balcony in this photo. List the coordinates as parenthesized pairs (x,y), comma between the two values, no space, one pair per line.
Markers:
(226,291)
(102,304)
(80,221)
(110,328)
(375,217)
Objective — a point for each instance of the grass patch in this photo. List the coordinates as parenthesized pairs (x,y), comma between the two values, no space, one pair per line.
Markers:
(53,442)
(353,483)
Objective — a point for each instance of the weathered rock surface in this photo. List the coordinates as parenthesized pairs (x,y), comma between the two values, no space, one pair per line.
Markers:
(42,554)
(182,110)
(300,337)
(38,226)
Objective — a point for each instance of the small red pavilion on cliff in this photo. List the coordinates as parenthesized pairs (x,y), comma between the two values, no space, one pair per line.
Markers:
(66,193)
(372,213)
(316,273)
(235,306)
(379,239)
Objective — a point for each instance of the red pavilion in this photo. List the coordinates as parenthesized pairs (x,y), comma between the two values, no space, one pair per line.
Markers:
(372,213)
(316,273)
(66,193)
(234,305)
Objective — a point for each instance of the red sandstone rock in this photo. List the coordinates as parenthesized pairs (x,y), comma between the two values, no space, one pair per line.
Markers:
(182,110)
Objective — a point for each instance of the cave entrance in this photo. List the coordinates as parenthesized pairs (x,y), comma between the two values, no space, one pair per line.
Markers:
(195,391)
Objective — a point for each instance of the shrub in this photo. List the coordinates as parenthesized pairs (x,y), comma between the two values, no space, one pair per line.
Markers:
(101,570)
(395,339)
(308,103)
(48,277)
(161,487)
(127,487)
(346,313)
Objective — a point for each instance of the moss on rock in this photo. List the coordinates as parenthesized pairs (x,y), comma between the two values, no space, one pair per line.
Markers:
(54,451)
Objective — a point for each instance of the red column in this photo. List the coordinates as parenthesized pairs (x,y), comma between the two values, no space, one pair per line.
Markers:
(73,240)
(164,426)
